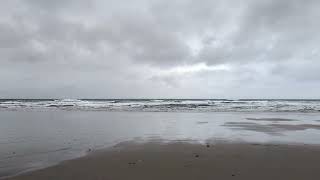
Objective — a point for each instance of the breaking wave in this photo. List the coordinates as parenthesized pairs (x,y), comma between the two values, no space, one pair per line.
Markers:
(165,105)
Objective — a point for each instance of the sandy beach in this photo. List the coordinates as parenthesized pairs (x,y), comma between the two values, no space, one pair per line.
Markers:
(179,160)
(149,145)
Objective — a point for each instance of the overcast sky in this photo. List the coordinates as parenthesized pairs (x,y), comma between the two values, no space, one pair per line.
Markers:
(160,49)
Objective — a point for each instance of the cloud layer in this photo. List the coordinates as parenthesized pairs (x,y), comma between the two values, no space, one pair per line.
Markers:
(159,49)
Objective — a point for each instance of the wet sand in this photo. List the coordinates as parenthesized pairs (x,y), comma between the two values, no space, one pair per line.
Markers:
(271,119)
(179,160)
(273,129)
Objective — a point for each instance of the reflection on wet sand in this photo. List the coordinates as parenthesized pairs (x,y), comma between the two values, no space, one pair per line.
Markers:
(272,129)
(202,122)
(270,119)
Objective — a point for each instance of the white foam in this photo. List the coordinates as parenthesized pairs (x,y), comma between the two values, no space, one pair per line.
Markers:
(167,105)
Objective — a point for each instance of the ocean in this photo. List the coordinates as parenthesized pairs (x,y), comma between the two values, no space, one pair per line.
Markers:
(165,105)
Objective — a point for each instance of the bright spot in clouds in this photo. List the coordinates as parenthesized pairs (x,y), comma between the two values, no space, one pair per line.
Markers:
(195,68)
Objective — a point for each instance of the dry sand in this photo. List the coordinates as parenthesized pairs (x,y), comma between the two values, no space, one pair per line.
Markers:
(152,161)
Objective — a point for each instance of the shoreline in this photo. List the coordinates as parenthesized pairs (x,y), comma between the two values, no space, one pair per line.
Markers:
(185,160)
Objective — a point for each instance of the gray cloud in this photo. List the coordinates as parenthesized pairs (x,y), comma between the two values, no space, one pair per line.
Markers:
(270,31)
(65,48)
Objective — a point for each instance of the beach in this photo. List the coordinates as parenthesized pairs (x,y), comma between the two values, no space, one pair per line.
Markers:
(78,144)
(157,160)
(159,90)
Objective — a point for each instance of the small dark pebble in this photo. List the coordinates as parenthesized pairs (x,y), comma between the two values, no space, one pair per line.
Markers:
(232,175)
(208,145)
(196,156)
(13,152)
(89,150)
